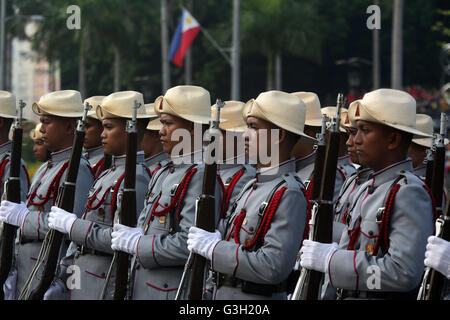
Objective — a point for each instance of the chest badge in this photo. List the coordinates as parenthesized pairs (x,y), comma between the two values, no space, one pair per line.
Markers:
(369,248)
(162,219)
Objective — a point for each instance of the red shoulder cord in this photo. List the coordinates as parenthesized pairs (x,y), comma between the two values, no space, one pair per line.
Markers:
(151,173)
(2,171)
(177,199)
(383,234)
(433,202)
(97,169)
(228,191)
(53,187)
(265,224)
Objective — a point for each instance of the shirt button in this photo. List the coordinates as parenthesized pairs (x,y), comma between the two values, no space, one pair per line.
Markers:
(165,285)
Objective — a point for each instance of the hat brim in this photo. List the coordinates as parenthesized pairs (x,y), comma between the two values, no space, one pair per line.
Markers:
(154,124)
(399,127)
(313,122)
(40,111)
(427,142)
(105,114)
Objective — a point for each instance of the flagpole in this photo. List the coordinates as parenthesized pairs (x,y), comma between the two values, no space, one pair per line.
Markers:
(188,57)
(165,48)
(235,54)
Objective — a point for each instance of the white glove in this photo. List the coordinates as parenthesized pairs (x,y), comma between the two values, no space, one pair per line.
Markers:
(56,291)
(13,213)
(125,239)
(203,242)
(437,255)
(9,287)
(60,220)
(316,255)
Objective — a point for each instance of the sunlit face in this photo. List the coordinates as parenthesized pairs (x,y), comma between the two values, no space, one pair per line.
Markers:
(93,131)
(170,123)
(114,136)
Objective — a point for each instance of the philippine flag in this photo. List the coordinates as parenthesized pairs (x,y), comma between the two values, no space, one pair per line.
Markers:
(187,30)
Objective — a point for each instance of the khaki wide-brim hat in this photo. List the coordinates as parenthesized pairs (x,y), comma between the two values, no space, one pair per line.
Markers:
(94,102)
(154,123)
(313,113)
(63,103)
(191,103)
(283,109)
(390,107)
(231,113)
(120,105)
(35,133)
(7,105)
(424,123)
(330,112)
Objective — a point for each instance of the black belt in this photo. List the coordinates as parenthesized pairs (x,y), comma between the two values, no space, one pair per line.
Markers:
(82,250)
(381,295)
(250,287)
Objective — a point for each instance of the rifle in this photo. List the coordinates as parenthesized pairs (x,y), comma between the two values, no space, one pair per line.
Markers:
(12,194)
(205,217)
(127,213)
(65,201)
(321,222)
(432,282)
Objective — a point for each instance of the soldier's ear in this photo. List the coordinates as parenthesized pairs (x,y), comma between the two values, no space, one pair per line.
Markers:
(395,140)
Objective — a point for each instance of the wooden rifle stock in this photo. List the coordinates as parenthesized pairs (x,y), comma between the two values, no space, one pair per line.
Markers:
(65,201)
(433,280)
(323,220)
(13,193)
(205,215)
(127,213)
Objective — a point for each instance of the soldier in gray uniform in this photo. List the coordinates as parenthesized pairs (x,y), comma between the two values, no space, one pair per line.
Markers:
(159,241)
(255,249)
(304,151)
(93,149)
(234,170)
(155,157)
(351,184)
(380,254)
(7,116)
(58,112)
(91,234)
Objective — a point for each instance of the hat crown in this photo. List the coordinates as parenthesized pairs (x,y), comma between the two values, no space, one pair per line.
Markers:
(62,103)
(231,112)
(424,123)
(192,103)
(391,106)
(312,102)
(7,104)
(120,105)
(283,109)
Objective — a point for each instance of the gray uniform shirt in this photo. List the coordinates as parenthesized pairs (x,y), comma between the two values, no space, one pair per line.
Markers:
(273,261)
(90,249)
(39,201)
(162,252)
(399,269)
(305,170)
(227,172)
(156,162)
